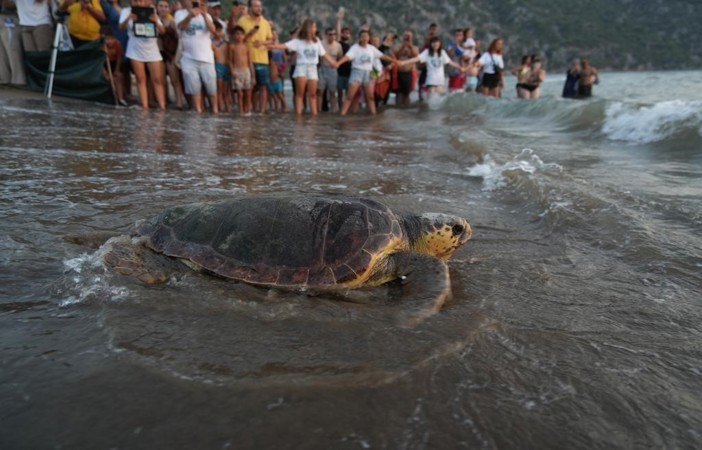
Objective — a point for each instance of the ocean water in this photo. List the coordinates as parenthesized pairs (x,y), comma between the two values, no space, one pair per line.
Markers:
(575,320)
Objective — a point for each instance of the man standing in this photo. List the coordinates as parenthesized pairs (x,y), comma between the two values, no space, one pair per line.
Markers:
(258,36)
(197,62)
(84,19)
(328,76)
(344,70)
(215,10)
(405,73)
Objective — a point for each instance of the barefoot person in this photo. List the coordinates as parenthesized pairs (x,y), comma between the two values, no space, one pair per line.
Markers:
(258,36)
(536,76)
(405,72)
(328,73)
(241,69)
(197,62)
(309,49)
(435,57)
(143,52)
(588,76)
(362,55)
(493,67)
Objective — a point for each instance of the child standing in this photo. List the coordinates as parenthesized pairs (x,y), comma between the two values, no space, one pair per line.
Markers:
(115,54)
(224,79)
(241,68)
(277,96)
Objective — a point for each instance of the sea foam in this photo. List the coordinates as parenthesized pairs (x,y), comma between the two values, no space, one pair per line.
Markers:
(639,124)
(496,175)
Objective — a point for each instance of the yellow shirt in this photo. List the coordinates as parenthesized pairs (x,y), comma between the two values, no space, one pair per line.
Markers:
(82,24)
(259,55)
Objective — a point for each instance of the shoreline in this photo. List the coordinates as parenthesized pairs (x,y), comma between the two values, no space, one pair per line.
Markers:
(11,91)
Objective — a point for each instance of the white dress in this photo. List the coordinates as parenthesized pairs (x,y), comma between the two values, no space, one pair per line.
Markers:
(142,49)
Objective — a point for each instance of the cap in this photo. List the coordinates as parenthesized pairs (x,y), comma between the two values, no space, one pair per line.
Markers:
(214,4)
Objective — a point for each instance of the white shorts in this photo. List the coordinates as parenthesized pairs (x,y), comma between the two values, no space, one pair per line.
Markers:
(308,71)
(197,74)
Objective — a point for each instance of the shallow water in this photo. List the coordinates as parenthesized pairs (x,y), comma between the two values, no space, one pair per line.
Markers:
(574,322)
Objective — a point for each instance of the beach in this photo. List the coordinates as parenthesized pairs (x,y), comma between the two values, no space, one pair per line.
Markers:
(574,320)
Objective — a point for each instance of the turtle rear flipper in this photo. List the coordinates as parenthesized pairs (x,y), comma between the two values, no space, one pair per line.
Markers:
(128,256)
(425,285)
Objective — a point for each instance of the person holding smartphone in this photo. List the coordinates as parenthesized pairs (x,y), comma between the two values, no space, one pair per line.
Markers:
(142,25)
(197,62)
(258,36)
(84,19)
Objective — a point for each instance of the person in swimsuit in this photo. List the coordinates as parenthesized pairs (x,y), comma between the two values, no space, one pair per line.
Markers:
(588,76)
(522,74)
(536,76)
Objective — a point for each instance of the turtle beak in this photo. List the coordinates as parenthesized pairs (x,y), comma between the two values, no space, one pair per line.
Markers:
(463,231)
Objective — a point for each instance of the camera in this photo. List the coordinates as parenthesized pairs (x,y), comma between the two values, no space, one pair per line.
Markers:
(196,4)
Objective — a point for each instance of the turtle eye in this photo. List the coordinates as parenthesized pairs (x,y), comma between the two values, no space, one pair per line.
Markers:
(457,230)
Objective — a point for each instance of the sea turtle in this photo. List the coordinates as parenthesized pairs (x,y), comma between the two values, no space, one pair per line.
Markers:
(298,242)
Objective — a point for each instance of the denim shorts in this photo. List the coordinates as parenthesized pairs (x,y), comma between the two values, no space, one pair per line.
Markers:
(263,77)
(342,83)
(308,71)
(197,74)
(359,76)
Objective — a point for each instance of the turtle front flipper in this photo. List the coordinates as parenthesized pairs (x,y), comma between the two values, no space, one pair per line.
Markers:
(425,285)
(128,256)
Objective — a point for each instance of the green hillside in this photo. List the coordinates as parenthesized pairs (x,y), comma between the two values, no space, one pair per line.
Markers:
(614,34)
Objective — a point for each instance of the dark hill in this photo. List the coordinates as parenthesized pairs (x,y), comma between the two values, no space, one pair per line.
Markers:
(614,34)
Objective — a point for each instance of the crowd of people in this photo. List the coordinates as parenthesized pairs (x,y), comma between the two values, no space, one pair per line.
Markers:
(185,48)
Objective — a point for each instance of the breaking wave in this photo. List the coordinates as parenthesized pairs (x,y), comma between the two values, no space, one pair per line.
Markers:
(644,124)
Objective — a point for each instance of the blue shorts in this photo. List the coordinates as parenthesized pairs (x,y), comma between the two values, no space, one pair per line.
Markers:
(222,72)
(263,77)
(276,86)
(342,83)
(359,76)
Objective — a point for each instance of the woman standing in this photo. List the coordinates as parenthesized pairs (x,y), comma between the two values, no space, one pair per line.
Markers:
(362,55)
(537,74)
(435,57)
(522,74)
(308,50)
(143,52)
(493,67)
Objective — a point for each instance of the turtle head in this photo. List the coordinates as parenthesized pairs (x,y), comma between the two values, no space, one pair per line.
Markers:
(437,234)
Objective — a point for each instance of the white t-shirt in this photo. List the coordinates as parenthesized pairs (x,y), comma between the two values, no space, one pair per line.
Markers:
(435,67)
(362,57)
(33,13)
(197,44)
(470,42)
(486,60)
(307,52)
(139,48)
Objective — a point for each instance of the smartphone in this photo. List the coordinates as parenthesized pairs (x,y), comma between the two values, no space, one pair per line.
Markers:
(196,4)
